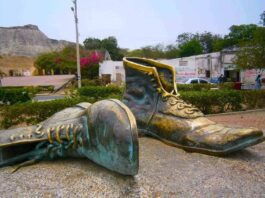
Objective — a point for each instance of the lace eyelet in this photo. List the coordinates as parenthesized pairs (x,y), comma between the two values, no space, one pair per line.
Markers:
(164,98)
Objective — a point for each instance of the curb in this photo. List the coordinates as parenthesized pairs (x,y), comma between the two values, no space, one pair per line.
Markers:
(235,113)
(50,94)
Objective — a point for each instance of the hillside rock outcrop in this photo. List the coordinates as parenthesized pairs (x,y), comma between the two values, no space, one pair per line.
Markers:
(28,41)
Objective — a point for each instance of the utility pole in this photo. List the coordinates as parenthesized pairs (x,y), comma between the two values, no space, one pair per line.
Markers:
(74,9)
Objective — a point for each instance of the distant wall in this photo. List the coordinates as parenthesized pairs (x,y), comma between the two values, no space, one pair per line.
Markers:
(17,66)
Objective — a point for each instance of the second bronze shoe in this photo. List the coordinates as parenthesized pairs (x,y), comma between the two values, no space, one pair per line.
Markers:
(104,132)
(151,94)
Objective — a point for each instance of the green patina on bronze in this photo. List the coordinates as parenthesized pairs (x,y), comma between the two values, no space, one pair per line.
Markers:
(151,94)
(104,132)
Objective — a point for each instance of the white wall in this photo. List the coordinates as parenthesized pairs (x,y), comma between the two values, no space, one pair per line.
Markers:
(210,62)
(113,68)
(228,58)
(188,67)
(196,66)
(185,67)
(249,76)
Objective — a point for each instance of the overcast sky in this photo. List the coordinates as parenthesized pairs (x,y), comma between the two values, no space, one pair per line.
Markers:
(135,23)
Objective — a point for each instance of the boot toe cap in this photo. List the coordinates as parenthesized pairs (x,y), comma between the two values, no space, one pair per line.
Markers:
(225,139)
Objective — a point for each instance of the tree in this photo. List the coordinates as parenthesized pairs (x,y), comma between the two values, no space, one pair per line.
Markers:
(262,18)
(59,62)
(156,52)
(134,53)
(92,43)
(219,44)
(239,34)
(185,38)
(171,51)
(208,40)
(90,65)
(252,53)
(111,45)
(46,61)
(190,48)
(64,61)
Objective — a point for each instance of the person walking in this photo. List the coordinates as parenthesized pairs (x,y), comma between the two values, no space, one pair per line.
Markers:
(1,81)
(258,82)
(221,79)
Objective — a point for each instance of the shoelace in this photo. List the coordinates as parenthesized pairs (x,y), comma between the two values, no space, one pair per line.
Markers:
(56,146)
(181,104)
(68,129)
(174,100)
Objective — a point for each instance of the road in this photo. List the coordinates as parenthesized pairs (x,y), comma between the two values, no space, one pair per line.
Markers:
(41,98)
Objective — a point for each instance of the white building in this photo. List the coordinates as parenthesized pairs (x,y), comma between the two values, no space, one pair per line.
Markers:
(208,66)
(113,69)
(204,66)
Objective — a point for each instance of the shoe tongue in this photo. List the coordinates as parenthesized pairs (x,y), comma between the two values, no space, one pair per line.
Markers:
(166,79)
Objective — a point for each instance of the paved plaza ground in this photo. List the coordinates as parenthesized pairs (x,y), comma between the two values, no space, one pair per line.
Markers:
(164,171)
(53,80)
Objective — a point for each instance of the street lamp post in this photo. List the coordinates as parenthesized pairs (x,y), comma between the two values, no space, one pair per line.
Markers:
(77,43)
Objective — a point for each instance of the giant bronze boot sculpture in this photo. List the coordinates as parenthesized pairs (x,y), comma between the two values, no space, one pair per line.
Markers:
(104,132)
(151,94)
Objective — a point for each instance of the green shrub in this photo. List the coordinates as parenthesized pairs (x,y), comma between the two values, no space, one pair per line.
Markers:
(195,87)
(14,95)
(33,90)
(90,72)
(227,86)
(33,112)
(253,98)
(45,88)
(93,82)
(204,87)
(100,91)
(214,101)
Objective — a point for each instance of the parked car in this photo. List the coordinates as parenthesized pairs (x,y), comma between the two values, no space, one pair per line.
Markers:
(197,81)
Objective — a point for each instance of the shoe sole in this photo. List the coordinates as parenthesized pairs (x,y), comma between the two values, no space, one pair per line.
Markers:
(207,151)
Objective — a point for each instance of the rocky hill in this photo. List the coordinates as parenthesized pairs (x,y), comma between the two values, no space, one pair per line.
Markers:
(28,41)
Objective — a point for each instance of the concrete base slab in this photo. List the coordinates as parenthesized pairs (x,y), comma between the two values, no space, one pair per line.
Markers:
(165,171)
